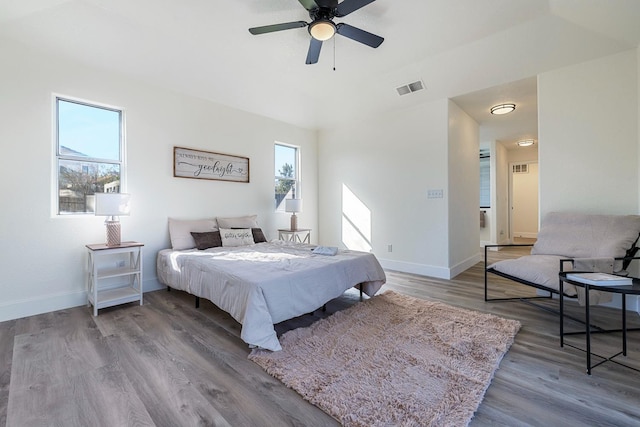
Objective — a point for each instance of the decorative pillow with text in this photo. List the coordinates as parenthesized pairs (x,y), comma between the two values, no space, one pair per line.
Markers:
(236,237)
(258,234)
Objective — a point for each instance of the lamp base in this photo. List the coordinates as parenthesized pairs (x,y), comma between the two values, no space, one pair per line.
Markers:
(113,233)
(294,222)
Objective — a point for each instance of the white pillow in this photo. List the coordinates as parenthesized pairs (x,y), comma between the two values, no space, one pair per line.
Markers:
(248,221)
(180,231)
(236,237)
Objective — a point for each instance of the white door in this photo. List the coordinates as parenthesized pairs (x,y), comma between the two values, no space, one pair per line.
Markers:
(524,200)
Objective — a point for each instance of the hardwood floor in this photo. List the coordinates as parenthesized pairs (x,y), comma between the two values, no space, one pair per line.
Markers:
(168,364)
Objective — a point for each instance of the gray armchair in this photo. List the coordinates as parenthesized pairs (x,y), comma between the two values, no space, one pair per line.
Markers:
(570,241)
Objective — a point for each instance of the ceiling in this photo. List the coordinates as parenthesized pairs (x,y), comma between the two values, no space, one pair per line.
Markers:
(476,52)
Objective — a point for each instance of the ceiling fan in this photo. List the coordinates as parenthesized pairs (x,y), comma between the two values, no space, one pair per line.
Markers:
(322,27)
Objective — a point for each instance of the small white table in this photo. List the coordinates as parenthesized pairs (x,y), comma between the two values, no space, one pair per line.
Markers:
(108,262)
(300,235)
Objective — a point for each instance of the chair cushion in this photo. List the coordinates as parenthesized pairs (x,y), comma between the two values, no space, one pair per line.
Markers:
(539,269)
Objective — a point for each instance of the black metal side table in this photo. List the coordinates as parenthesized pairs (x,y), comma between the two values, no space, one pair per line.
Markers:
(624,290)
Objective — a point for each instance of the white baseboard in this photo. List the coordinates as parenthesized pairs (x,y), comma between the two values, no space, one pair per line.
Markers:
(465,265)
(414,268)
(48,303)
(526,234)
(430,270)
(41,304)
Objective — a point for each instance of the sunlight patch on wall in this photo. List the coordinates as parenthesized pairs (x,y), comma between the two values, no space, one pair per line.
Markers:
(356,222)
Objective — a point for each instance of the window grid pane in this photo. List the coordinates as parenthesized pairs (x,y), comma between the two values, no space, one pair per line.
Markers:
(89,150)
(286,175)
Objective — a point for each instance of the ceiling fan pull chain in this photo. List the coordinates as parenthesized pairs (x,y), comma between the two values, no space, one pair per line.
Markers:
(334,54)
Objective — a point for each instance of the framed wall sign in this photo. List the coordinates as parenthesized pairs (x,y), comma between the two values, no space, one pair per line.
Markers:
(198,164)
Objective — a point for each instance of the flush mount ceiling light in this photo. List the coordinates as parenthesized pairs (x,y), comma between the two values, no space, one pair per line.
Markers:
(322,29)
(503,108)
(525,142)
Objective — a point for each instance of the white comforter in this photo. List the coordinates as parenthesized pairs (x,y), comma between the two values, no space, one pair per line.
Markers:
(267,283)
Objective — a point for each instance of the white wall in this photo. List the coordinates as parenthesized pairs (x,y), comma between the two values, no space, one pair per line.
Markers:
(588,132)
(42,257)
(464,190)
(389,163)
(588,151)
(501,234)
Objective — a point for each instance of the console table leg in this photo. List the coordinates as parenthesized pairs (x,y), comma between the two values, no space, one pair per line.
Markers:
(561,286)
(588,327)
(624,324)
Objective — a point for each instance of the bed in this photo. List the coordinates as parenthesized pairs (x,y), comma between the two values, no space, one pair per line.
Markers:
(261,284)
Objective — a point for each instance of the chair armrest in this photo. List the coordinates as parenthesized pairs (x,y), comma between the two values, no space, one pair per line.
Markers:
(626,261)
(563,261)
(509,245)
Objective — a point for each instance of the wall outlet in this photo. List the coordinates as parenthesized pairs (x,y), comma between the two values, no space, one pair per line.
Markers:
(389,248)
(435,194)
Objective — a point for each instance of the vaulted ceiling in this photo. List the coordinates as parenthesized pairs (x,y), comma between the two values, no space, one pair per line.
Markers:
(468,50)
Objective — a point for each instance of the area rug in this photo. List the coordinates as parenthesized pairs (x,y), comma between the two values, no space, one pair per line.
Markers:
(394,360)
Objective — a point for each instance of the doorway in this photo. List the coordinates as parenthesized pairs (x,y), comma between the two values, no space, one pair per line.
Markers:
(523,197)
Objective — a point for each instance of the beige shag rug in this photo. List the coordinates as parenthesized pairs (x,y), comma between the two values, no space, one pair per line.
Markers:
(394,360)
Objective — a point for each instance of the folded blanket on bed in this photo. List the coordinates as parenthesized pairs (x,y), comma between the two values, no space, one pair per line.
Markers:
(325,250)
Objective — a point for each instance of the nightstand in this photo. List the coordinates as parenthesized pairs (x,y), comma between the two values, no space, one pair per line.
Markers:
(301,235)
(112,262)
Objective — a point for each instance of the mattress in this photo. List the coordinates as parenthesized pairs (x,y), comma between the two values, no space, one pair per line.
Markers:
(266,283)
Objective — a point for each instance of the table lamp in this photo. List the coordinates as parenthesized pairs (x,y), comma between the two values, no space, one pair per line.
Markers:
(293,205)
(112,205)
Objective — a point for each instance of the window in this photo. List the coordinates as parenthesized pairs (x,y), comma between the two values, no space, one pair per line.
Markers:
(89,154)
(287,184)
(485,179)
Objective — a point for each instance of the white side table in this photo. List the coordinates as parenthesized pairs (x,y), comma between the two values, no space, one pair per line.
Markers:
(99,269)
(301,235)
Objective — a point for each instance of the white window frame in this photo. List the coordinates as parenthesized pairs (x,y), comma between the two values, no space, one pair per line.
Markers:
(297,186)
(57,157)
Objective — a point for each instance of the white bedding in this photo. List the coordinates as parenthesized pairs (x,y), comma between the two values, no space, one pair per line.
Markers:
(264,284)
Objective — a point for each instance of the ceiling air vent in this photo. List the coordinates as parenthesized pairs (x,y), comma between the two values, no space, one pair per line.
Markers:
(410,88)
(522,168)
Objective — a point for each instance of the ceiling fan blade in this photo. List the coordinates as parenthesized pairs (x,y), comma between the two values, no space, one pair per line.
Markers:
(314,51)
(308,4)
(348,6)
(277,27)
(359,35)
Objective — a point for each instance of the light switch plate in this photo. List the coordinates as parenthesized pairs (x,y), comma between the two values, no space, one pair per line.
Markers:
(435,194)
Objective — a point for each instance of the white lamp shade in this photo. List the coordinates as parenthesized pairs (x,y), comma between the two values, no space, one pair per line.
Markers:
(112,204)
(293,205)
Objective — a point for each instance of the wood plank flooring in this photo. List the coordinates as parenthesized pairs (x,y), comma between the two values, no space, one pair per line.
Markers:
(167,363)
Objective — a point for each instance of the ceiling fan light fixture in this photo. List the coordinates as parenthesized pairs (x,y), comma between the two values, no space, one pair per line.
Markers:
(322,29)
(503,109)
